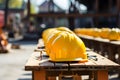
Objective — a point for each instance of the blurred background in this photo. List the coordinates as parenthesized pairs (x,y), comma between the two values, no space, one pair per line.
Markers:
(23,21)
(23,17)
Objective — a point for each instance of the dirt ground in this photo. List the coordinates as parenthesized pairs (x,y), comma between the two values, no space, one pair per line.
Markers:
(12,63)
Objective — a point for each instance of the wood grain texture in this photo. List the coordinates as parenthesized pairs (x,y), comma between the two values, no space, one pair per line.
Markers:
(42,68)
(36,63)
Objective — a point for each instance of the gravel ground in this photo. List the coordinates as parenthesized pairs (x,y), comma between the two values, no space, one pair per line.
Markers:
(12,63)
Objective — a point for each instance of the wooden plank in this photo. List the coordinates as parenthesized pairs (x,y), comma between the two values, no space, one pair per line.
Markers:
(40,43)
(55,15)
(51,78)
(102,60)
(35,63)
(32,62)
(102,75)
(117,43)
(39,75)
(119,59)
(42,67)
(112,52)
(100,39)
